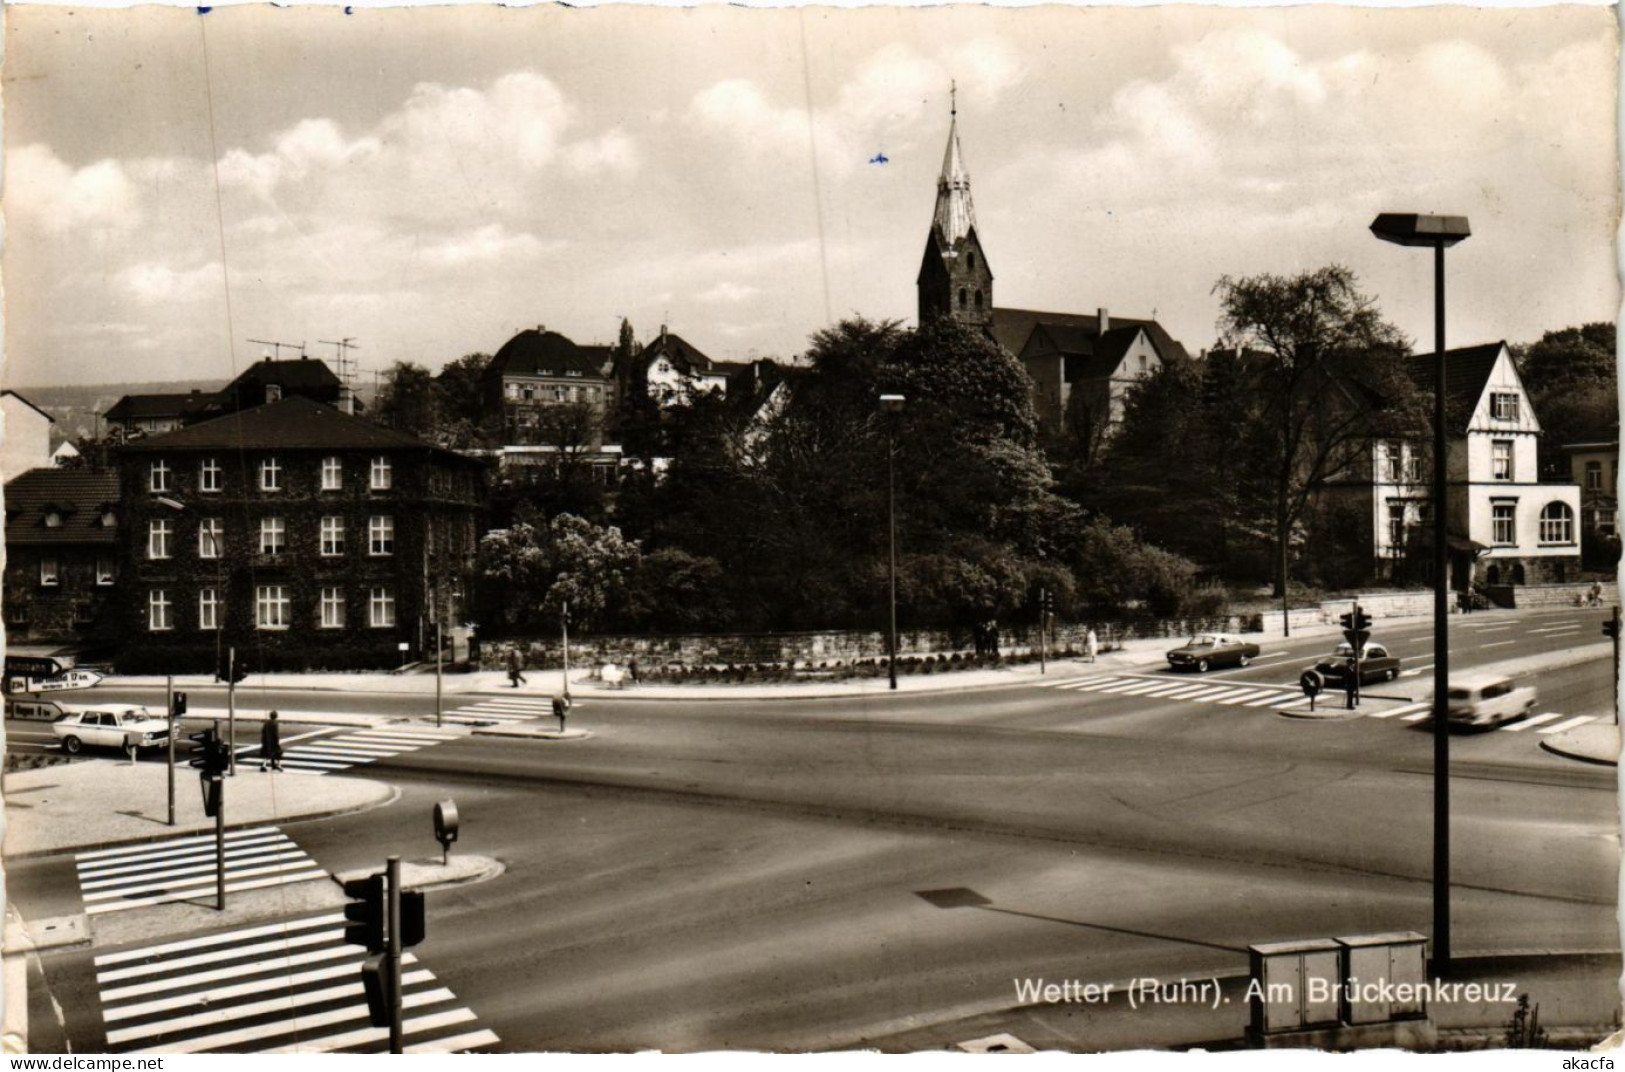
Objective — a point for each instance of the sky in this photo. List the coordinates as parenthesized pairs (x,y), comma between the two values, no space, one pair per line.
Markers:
(430,181)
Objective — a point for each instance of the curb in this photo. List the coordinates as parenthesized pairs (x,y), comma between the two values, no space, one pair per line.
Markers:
(1558,750)
(534,735)
(394,795)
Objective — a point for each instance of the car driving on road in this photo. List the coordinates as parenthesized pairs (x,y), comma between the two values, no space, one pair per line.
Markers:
(1487,699)
(109,726)
(1375,664)
(1207,650)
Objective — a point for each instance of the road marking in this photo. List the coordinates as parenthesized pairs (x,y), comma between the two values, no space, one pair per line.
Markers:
(1559,627)
(291,986)
(1270,700)
(178,869)
(1532,721)
(359,746)
(1419,716)
(502,709)
(1289,701)
(1498,644)
(1407,709)
(1096,684)
(1573,723)
(1164,689)
(1241,698)
(1271,655)
(1135,688)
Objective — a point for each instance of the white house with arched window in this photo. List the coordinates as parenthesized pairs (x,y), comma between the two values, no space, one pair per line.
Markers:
(1507,524)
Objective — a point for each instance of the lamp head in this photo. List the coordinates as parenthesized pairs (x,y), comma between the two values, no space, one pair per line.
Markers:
(892,403)
(1413,229)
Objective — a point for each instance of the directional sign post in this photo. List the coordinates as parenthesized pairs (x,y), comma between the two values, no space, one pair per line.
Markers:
(1311,682)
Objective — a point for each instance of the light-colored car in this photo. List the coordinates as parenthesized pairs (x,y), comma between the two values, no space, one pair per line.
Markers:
(1488,699)
(109,726)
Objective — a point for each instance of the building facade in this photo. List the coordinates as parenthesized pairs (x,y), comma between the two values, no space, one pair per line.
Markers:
(301,536)
(61,555)
(26,435)
(550,392)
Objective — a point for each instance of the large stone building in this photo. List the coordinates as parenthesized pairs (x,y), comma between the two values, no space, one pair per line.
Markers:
(266,380)
(1081,364)
(61,554)
(551,391)
(302,536)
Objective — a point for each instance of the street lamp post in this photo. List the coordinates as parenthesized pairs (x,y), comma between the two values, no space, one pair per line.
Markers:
(1437,233)
(892,406)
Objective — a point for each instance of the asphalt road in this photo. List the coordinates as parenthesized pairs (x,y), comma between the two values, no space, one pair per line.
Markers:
(806,874)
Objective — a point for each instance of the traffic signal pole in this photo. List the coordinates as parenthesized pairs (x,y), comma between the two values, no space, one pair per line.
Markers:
(169,708)
(231,717)
(393,975)
(220,835)
(1043,627)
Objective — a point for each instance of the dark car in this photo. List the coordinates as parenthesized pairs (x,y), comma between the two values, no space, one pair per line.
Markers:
(1375,664)
(1207,650)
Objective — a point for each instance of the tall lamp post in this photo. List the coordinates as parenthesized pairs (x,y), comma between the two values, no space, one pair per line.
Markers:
(892,406)
(1437,233)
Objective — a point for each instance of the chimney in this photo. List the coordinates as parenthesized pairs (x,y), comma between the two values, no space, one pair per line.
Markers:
(662,333)
(346,399)
(1105,322)
(541,329)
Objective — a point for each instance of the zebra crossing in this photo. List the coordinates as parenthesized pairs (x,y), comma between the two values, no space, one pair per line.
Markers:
(1543,723)
(320,755)
(1228,693)
(183,868)
(292,986)
(501,710)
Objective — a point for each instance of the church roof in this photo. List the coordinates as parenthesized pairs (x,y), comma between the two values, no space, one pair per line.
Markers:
(955,216)
(1012,328)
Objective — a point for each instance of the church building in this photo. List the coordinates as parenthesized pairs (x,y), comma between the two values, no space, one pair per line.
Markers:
(1081,364)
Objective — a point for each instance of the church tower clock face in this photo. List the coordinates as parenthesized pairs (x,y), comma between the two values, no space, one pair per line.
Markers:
(954,276)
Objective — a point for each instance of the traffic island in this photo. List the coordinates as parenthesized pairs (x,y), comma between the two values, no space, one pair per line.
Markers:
(462,869)
(531,733)
(1596,743)
(104,802)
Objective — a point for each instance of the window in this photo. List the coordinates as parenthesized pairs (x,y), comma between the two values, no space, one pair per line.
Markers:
(273,392)
(158,477)
(512,389)
(528,391)
(273,535)
(383,474)
(381,535)
(271,606)
(332,473)
(332,536)
(158,611)
(208,608)
(381,608)
(332,608)
(210,537)
(158,534)
(1503,522)
(208,475)
(1504,406)
(963,296)
(1607,519)
(84,614)
(1593,476)
(1557,523)
(109,519)
(978,299)
(48,574)
(1501,459)
(1396,526)
(270,475)
(53,519)
(1394,456)
(970,261)
(104,569)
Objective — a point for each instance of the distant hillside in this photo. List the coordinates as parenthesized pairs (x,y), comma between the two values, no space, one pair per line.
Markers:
(77,406)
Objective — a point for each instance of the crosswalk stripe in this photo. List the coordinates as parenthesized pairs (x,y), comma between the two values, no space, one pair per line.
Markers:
(1270,698)
(176,869)
(1532,721)
(215,939)
(1097,684)
(1064,682)
(231,887)
(1405,710)
(1134,688)
(290,987)
(1230,692)
(1249,696)
(1573,723)
(1288,701)
(1163,690)
(348,751)
(1417,717)
(99,868)
(1185,692)
(401,738)
(146,847)
(311,766)
(289,851)
(179,879)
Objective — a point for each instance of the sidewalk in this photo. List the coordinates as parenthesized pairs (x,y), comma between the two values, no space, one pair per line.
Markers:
(1596,743)
(102,802)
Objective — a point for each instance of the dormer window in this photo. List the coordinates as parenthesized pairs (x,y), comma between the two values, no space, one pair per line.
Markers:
(109,519)
(1504,406)
(53,519)
(273,392)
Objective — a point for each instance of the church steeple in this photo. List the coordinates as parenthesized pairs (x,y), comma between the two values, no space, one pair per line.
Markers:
(955,215)
(954,277)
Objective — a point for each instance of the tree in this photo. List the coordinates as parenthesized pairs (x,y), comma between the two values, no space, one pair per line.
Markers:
(1328,374)
(407,401)
(1571,378)
(465,410)
(533,569)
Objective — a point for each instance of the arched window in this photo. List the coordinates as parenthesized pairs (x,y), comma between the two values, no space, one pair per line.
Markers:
(970,261)
(1557,523)
(961,297)
(1493,575)
(978,299)
(1517,573)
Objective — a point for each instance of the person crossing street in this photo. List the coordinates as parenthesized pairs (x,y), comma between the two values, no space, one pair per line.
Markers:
(271,744)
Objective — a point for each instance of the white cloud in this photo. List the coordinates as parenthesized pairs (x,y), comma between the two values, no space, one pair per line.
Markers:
(726,293)
(611,151)
(63,198)
(489,243)
(159,284)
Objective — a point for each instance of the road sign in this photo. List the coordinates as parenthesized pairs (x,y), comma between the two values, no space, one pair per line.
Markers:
(1357,637)
(1311,682)
(73,679)
(32,666)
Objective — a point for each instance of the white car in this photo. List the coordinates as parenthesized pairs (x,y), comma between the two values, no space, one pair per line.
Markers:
(1488,699)
(110,726)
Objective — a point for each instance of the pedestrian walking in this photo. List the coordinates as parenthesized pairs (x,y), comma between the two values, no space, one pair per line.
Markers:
(1351,684)
(632,670)
(271,744)
(561,708)
(516,668)
(1091,644)
(1595,595)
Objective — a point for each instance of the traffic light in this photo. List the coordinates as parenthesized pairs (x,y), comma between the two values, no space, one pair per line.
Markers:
(211,785)
(375,979)
(365,911)
(414,920)
(179,707)
(1356,627)
(1610,628)
(231,671)
(209,755)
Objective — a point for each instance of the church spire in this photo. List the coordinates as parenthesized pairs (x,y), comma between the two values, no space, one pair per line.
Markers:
(955,215)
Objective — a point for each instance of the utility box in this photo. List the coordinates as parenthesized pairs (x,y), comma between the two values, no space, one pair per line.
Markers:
(1295,985)
(1384,977)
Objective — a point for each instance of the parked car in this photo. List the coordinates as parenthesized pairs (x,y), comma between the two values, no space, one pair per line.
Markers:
(1488,699)
(1375,664)
(109,726)
(1206,650)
